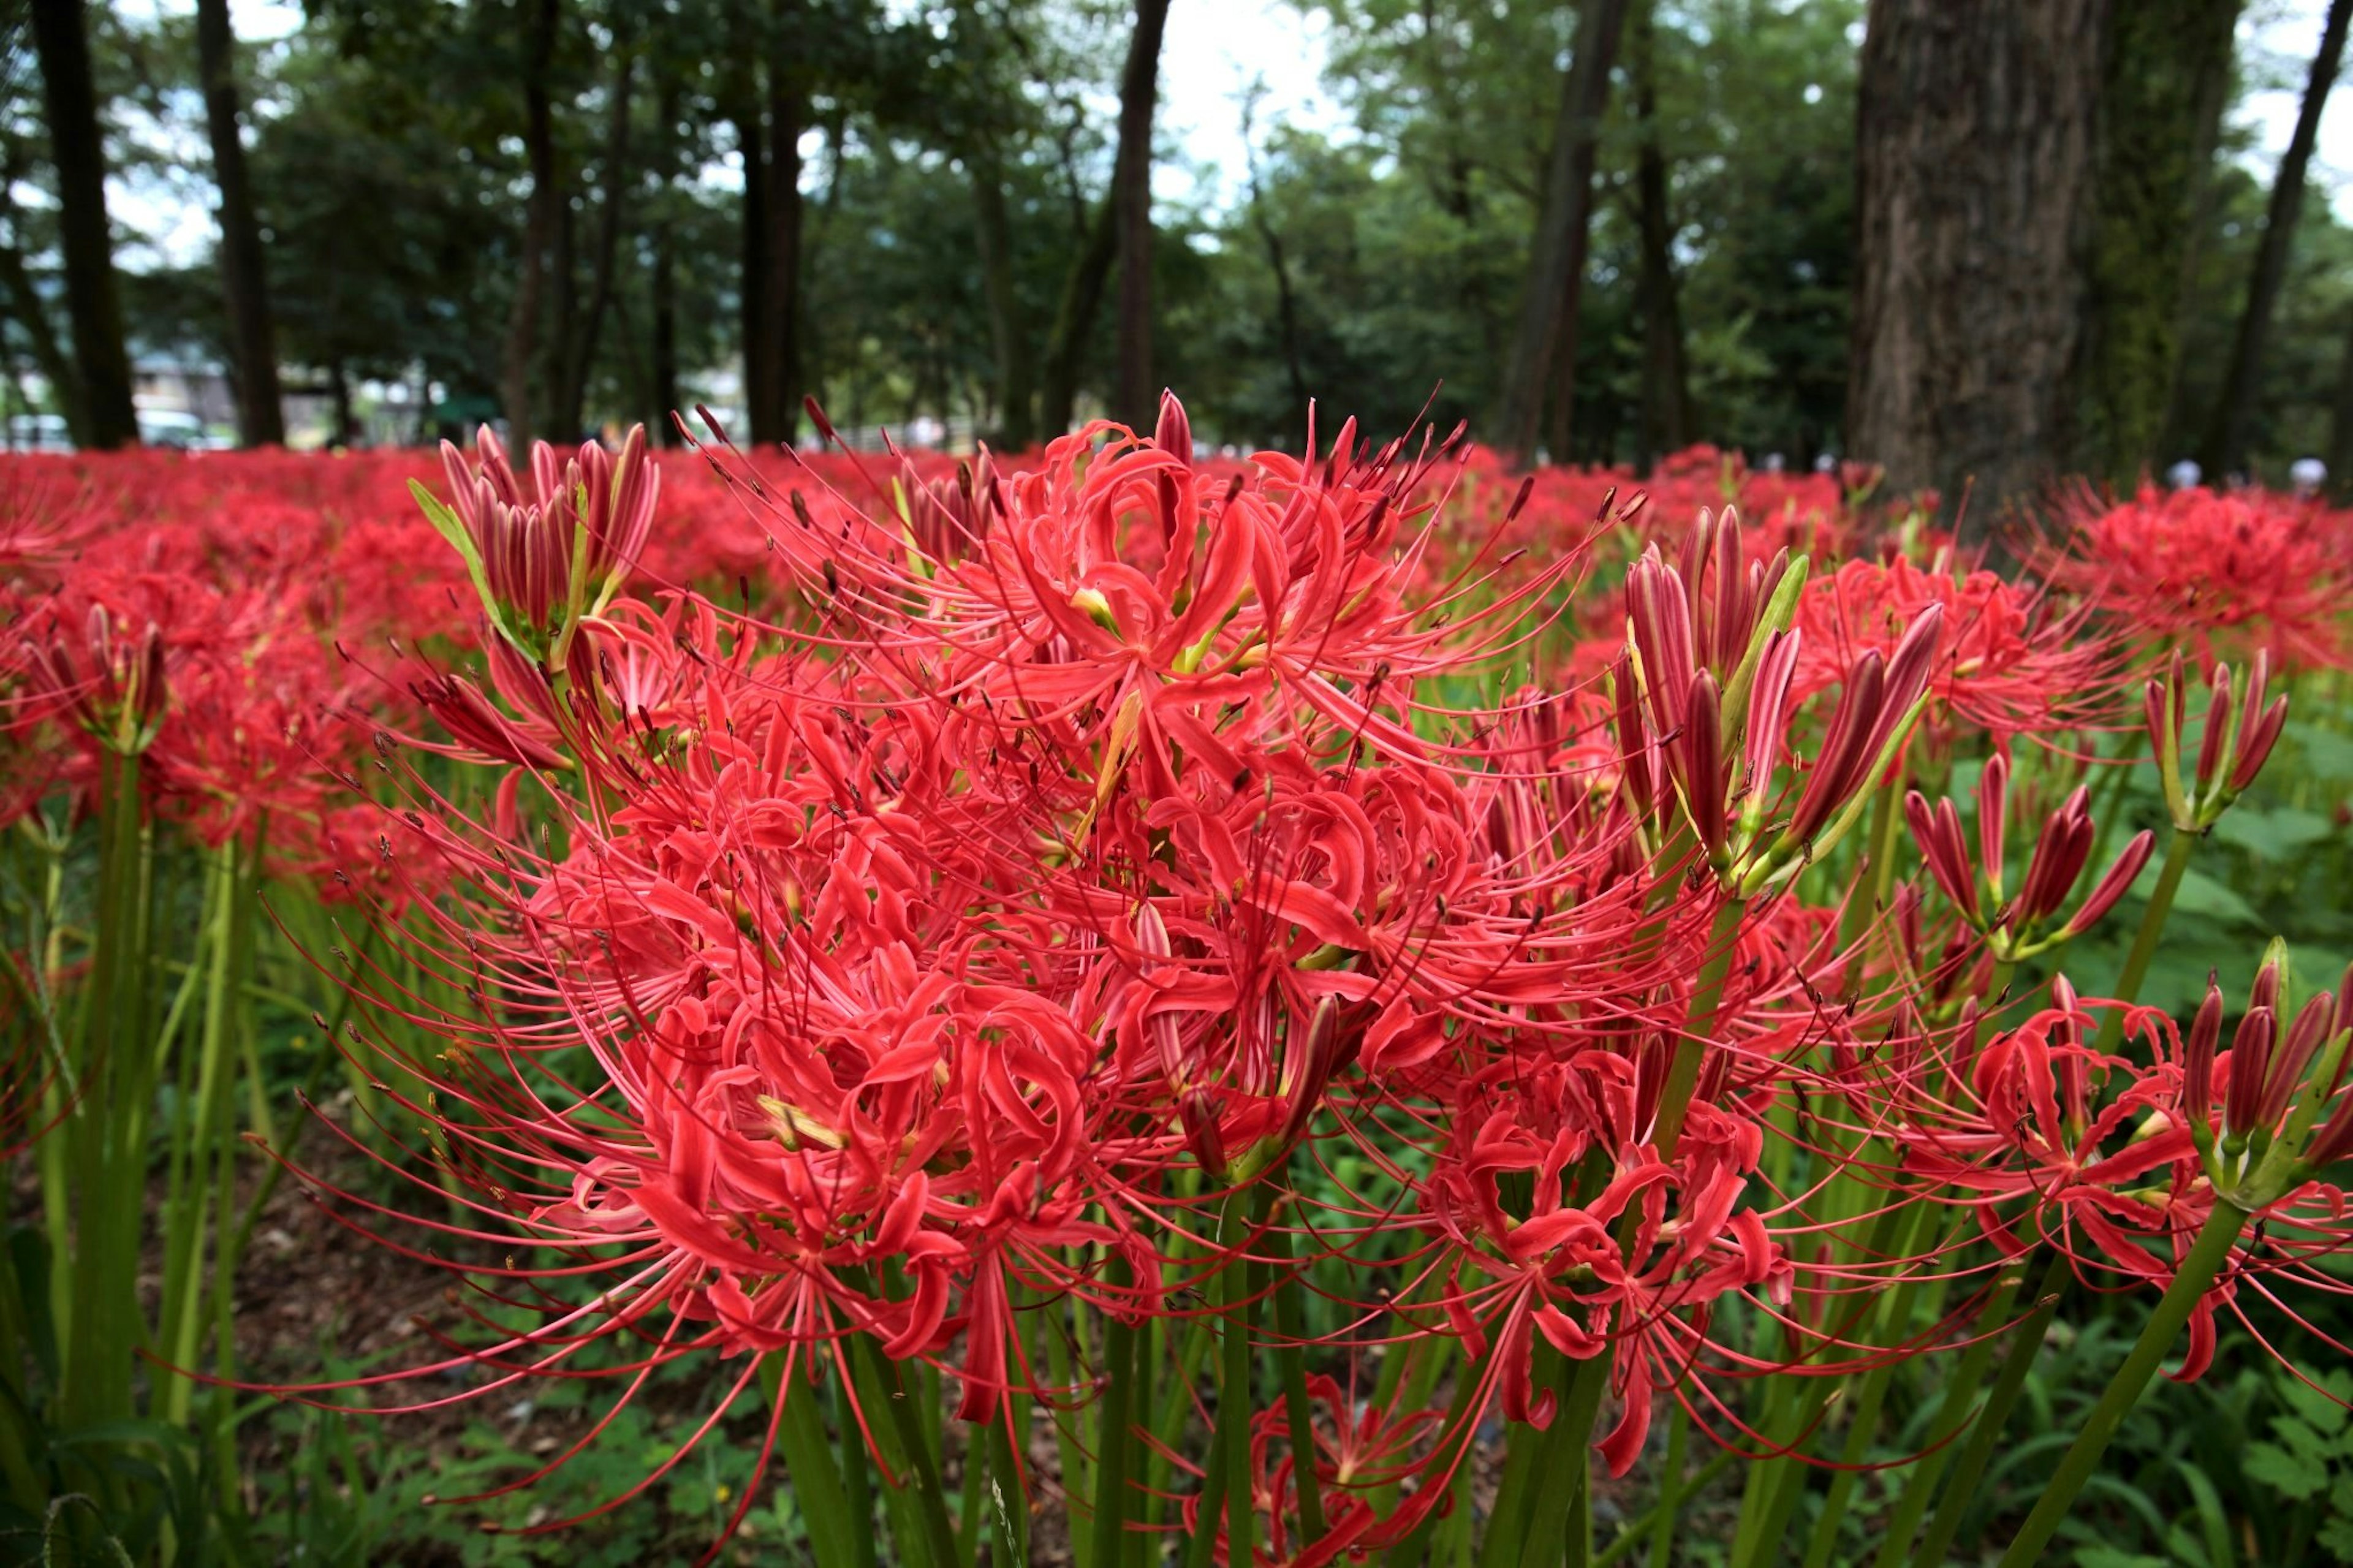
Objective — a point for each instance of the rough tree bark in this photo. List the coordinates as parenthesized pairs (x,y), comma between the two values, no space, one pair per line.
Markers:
(2162,95)
(1136,399)
(102,416)
(1974,171)
(522,355)
(2340,428)
(752,294)
(1666,421)
(1545,350)
(245,278)
(2225,450)
(1014,394)
(1286,301)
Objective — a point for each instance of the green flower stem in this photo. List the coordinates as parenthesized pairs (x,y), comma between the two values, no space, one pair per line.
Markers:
(1671,1489)
(1953,1410)
(1291,1355)
(1074,1470)
(1409,1551)
(1112,1442)
(1008,1514)
(2208,1254)
(1201,1550)
(809,1466)
(1969,1469)
(2152,927)
(1241,1210)
(857,1481)
(1878,861)
(921,1480)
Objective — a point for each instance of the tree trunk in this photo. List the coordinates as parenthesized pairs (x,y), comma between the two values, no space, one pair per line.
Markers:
(102,416)
(580,359)
(776,402)
(346,420)
(2340,428)
(245,280)
(1665,424)
(1545,350)
(521,356)
(1974,172)
(1075,321)
(1136,398)
(25,307)
(662,286)
(1015,392)
(2161,108)
(2226,434)
(751,140)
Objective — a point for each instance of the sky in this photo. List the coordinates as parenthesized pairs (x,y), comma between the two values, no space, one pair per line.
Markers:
(1214,50)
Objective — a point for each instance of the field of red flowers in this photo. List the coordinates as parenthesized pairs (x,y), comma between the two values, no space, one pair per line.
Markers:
(1121,1008)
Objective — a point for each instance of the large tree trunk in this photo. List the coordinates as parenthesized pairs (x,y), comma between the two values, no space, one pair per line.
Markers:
(1666,421)
(1015,392)
(1136,398)
(245,281)
(521,356)
(25,305)
(580,357)
(2162,95)
(1974,172)
(2226,433)
(102,416)
(1545,350)
(1074,321)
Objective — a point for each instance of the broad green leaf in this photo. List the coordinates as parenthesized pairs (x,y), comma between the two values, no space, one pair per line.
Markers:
(2289,1474)
(2319,1408)
(2300,1436)
(2326,752)
(2275,835)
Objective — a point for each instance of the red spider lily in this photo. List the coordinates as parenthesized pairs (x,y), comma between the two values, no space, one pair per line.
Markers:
(2221,573)
(2239,733)
(2012,662)
(2014,927)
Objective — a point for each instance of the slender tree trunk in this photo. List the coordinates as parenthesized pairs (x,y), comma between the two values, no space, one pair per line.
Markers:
(1015,392)
(245,280)
(2226,434)
(1665,419)
(1547,342)
(2160,108)
(346,419)
(2340,428)
(1974,172)
(1074,321)
(580,359)
(521,356)
(661,288)
(751,138)
(102,416)
(1135,397)
(775,401)
(28,309)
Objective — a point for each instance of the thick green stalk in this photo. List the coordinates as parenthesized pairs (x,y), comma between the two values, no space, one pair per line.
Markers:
(1234,1377)
(1670,1490)
(1291,1355)
(1953,1411)
(1962,1489)
(809,1465)
(856,1480)
(1075,1474)
(1878,863)
(2152,927)
(1112,1442)
(1008,1514)
(2208,1254)
(919,1483)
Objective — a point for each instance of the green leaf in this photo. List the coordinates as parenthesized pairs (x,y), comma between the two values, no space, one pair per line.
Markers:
(2320,1408)
(2326,752)
(2275,835)
(2290,1475)
(2202,895)
(2300,1436)
(451,528)
(2336,1536)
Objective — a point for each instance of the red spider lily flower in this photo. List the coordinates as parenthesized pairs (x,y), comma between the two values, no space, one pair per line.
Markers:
(2220,573)
(543,554)
(2012,662)
(2015,928)
(114,690)
(2240,731)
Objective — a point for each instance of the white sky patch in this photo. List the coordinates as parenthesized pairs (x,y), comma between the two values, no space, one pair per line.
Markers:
(2277,39)
(1213,51)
